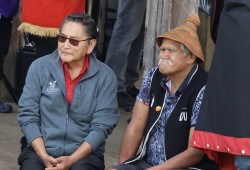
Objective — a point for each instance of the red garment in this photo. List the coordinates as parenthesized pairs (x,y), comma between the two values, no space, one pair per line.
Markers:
(70,84)
(49,13)
(223,121)
(219,148)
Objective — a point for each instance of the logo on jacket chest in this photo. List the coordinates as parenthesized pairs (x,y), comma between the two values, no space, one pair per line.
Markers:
(52,88)
(183,115)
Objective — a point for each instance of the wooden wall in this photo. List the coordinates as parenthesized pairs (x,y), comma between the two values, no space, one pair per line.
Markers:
(163,15)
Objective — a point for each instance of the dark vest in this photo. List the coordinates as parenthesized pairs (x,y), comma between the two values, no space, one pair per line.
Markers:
(178,124)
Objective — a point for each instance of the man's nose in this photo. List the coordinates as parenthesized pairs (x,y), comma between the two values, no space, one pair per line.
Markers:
(67,43)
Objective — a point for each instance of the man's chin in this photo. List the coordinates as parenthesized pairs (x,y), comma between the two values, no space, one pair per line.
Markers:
(164,66)
(66,59)
(165,70)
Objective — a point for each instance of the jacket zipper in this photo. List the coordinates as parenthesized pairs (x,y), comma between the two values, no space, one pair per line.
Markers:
(66,129)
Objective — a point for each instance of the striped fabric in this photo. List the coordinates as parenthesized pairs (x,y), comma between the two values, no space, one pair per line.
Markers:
(206,6)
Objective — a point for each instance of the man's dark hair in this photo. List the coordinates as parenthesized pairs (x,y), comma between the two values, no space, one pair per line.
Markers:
(85,20)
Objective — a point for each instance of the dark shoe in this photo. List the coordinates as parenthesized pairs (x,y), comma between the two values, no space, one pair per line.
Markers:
(125,101)
(5,107)
(132,91)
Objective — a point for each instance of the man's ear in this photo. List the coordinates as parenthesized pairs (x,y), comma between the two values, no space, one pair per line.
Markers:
(192,58)
(91,45)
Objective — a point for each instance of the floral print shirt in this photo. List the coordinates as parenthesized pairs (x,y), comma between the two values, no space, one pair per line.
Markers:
(155,148)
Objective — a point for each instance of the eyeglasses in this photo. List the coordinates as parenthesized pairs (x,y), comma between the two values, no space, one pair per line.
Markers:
(74,42)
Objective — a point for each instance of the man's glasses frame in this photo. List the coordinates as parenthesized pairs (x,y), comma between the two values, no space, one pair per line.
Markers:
(62,39)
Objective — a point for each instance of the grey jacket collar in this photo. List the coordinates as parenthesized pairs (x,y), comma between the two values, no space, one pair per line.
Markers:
(56,69)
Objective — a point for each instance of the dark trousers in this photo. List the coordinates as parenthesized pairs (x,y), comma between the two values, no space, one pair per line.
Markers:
(5,34)
(137,165)
(205,164)
(29,160)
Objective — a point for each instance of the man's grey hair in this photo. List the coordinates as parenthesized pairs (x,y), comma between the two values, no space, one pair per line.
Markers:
(184,49)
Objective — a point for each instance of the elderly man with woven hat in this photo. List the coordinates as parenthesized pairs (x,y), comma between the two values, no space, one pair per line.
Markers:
(167,107)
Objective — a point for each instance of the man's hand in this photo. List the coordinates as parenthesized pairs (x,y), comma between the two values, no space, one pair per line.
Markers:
(63,163)
(38,145)
(49,161)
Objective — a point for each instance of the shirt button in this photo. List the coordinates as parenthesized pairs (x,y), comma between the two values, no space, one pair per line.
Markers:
(243,152)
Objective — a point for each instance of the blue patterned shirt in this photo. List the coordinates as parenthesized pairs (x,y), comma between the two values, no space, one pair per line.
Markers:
(155,148)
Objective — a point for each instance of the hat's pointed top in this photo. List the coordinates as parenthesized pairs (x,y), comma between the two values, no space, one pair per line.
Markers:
(186,34)
(193,21)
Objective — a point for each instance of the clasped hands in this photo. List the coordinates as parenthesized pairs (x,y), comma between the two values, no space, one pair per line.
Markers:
(61,163)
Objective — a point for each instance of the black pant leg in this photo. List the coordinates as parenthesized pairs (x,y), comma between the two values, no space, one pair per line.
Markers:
(94,161)
(29,160)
